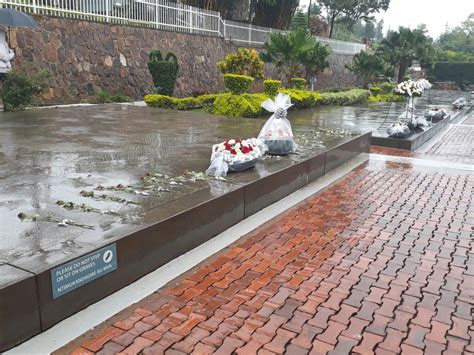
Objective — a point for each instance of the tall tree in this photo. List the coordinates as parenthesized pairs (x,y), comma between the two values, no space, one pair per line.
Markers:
(273,13)
(460,38)
(402,47)
(299,20)
(351,11)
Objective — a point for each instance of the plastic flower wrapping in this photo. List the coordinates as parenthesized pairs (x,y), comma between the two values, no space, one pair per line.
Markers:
(435,114)
(424,84)
(398,130)
(277,134)
(409,88)
(235,155)
(460,103)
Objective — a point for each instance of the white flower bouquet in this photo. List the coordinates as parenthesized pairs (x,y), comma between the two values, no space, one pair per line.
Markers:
(235,155)
(409,88)
(277,133)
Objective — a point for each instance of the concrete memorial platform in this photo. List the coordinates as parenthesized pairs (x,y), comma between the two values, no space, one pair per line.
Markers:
(124,176)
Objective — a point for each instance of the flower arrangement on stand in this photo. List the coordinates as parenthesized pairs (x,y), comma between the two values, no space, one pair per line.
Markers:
(408,121)
(235,155)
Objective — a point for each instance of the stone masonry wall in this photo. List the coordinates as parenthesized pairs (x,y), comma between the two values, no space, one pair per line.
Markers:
(87,56)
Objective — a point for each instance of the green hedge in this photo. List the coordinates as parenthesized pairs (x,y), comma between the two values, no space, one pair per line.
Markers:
(298,83)
(174,103)
(271,87)
(246,105)
(344,98)
(457,72)
(249,105)
(237,84)
(387,98)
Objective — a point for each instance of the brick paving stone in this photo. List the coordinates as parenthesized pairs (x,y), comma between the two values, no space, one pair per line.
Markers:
(380,262)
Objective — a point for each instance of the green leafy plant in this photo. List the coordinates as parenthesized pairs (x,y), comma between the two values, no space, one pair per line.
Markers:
(271,87)
(374,90)
(249,105)
(243,62)
(174,103)
(164,71)
(400,48)
(237,84)
(105,97)
(296,53)
(391,97)
(367,66)
(386,87)
(298,83)
(21,87)
(246,105)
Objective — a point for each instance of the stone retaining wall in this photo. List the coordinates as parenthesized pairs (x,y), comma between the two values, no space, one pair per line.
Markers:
(87,56)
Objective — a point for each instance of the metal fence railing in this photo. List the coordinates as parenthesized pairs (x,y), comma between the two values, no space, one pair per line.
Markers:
(256,35)
(163,15)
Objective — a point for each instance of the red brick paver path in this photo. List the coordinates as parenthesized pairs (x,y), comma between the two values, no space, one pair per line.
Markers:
(381,262)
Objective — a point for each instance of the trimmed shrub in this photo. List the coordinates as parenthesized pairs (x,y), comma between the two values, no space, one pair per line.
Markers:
(243,62)
(164,72)
(246,105)
(386,88)
(374,90)
(298,83)
(351,97)
(271,87)
(457,72)
(391,97)
(301,98)
(249,105)
(237,84)
(20,87)
(174,103)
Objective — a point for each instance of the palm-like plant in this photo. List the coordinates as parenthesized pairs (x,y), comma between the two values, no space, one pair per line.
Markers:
(404,46)
(367,66)
(296,53)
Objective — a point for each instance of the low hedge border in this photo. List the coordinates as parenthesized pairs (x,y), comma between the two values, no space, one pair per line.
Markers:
(249,105)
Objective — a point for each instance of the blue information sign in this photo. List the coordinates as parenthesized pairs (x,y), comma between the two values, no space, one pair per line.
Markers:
(83,270)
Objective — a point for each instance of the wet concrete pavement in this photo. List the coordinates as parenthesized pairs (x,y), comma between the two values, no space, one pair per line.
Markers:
(48,155)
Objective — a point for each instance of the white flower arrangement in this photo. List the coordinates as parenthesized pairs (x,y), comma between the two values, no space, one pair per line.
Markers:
(409,88)
(424,84)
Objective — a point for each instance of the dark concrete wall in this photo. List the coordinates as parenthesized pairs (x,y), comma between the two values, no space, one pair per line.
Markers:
(87,56)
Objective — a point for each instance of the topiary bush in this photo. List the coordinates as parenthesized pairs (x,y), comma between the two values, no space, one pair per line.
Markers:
(237,84)
(344,98)
(386,88)
(164,71)
(374,90)
(298,83)
(187,103)
(21,87)
(391,97)
(301,98)
(271,87)
(243,62)
(246,105)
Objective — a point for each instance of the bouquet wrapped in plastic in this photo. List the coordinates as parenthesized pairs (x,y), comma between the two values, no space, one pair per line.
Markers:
(398,130)
(277,133)
(434,114)
(460,103)
(234,155)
